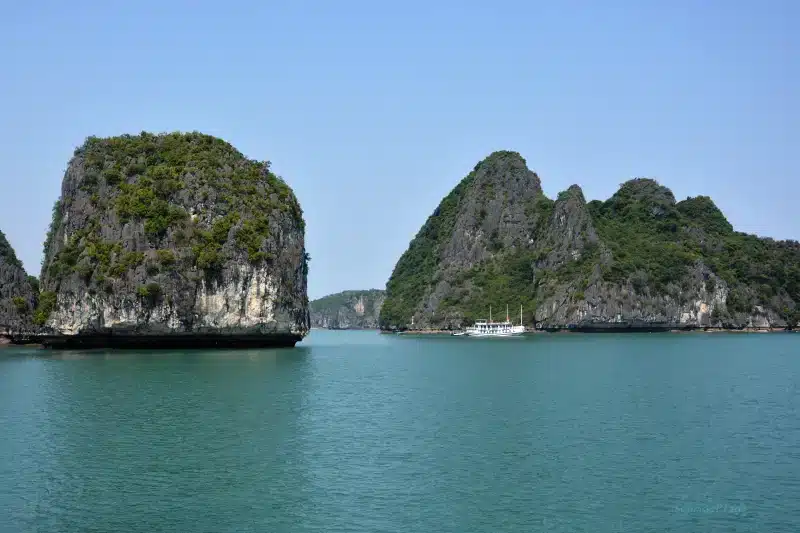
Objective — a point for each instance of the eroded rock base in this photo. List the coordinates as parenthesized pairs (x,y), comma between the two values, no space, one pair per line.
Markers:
(174,342)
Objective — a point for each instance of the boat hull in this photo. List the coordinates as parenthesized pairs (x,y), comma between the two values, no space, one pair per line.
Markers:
(512,332)
(490,335)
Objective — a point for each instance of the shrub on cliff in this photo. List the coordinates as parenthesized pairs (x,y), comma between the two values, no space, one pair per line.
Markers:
(7,252)
(18,293)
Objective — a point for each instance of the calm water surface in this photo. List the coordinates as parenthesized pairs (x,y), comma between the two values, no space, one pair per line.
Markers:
(359,432)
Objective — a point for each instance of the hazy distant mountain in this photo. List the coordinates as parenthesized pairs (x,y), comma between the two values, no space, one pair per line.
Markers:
(347,310)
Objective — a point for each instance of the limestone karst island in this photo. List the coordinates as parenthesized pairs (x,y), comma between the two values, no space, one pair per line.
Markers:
(638,261)
(179,240)
(358,309)
(160,241)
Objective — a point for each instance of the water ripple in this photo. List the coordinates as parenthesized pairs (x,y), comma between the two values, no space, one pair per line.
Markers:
(354,431)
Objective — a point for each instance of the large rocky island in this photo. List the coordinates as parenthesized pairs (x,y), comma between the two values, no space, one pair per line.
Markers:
(172,240)
(638,261)
(348,310)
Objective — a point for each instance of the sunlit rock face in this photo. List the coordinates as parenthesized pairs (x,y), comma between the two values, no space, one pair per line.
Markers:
(173,240)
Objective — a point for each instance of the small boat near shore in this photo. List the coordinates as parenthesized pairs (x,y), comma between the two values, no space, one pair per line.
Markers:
(489,328)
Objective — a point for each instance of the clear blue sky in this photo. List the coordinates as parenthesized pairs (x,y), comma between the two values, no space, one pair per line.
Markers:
(372,112)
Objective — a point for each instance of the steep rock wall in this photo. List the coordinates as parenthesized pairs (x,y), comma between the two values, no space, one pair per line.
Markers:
(174,239)
(17,295)
(348,310)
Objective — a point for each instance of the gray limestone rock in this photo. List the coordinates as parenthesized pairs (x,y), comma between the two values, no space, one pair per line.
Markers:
(638,261)
(174,240)
(17,296)
(347,310)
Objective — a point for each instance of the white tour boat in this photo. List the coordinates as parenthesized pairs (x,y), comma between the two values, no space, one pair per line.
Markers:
(488,328)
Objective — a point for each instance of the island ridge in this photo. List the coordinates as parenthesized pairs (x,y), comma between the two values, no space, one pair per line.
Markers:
(348,310)
(638,261)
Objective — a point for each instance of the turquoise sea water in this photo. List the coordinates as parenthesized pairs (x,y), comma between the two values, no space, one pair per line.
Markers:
(361,432)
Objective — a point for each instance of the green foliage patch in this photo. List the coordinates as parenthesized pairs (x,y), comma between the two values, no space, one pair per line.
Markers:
(7,252)
(156,181)
(55,222)
(414,272)
(47,304)
(20,304)
(661,240)
(655,244)
(149,294)
(34,283)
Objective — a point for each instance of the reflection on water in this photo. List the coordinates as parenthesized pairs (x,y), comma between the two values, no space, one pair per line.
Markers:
(263,355)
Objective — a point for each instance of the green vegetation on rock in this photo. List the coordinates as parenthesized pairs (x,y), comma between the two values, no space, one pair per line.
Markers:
(347,310)
(186,193)
(639,255)
(171,235)
(659,239)
(55,222)
(18,292)
(7,252)
(47,304)
(20,304)
(414,271)
(149,293)
(34,283)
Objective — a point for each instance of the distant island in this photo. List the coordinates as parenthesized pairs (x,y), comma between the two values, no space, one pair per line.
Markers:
(347,310)
(639,261)
(168,240)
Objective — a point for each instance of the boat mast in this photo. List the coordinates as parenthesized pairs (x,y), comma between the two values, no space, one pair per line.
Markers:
(520,315)
(490,314)
(507,313)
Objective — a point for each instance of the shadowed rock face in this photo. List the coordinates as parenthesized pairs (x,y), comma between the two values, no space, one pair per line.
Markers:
(348,310)
(570,229)
(173,240)
(639,260)
(17,296)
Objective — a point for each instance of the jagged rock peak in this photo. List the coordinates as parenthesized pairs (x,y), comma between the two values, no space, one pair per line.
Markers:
(703,211)
(571,228)
(638,260)
(174,238)
(506,166)
(644,190)
(573,192)
(7,252)
(501,157)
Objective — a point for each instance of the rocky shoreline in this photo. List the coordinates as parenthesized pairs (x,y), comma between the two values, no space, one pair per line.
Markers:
(608,330)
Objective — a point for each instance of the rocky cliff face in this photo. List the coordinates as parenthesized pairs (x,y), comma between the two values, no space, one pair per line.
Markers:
(17,295)
(638,260)
(348,310)
(173,239)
